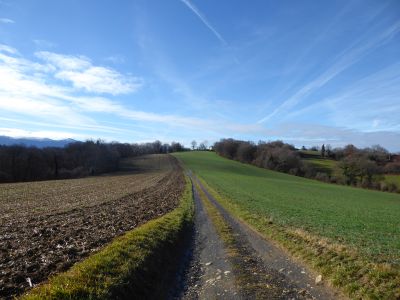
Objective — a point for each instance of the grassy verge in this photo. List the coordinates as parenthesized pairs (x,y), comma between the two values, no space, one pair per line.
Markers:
(136,265)
(349,235)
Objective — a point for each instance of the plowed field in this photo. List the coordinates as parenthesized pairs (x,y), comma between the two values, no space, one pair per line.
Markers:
(47,226)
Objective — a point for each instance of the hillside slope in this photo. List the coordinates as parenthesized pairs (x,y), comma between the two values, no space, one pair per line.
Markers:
(349,223)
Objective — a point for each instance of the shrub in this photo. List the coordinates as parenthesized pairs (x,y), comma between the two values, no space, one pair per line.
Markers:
(384,186)
(392,187)
(392,168)
(322,176)
(309,170)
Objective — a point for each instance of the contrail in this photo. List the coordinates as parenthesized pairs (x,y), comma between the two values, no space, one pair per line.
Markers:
(347,58)
(197,12)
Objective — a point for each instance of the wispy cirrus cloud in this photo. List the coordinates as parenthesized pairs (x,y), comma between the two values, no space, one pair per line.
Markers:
(29,89)
(353,54)
(369,104)
(6,21)
(63,126)
(204,20)
(104,105)
(192,100)
(115,59)
(40,43)
(8,49)
(32,95)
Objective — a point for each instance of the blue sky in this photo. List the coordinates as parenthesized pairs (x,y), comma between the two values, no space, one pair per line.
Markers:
(306,72)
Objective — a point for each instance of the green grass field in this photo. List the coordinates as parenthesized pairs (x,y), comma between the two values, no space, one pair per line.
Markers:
(393,179)
(330,166)
(322,164)
(365,221)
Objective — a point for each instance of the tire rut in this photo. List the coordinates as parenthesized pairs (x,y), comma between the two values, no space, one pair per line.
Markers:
(210,273)
(260,270)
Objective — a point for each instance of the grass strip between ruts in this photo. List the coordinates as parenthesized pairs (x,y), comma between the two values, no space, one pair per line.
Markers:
(344,267)
(136,265)
(250,283)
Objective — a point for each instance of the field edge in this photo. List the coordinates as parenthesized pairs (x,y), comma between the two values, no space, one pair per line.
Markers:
(137,264)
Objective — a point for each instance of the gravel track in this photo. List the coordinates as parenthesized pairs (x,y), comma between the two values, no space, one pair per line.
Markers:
(260,270)
(209,274)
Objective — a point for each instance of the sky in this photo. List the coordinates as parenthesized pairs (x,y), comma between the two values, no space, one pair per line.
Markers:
(305,72)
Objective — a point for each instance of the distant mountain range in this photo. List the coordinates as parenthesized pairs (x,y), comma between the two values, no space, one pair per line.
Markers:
(36,142)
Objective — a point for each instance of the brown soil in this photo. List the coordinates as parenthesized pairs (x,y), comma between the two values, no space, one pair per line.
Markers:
(48,226)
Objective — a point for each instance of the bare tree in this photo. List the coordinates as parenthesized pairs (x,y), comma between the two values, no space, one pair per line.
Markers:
(203,146)
(20,163)
(194,144)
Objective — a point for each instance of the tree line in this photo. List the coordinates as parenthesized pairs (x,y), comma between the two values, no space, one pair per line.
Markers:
(78,159)
(354,166)
(275,155)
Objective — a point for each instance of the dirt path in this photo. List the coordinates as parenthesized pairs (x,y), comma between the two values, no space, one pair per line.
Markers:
(209,275)
(257,269)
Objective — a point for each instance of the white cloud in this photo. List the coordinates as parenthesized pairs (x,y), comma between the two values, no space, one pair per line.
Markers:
(57,135)
(24,93)
(8,49)
(65,62)
(73,126)
(104,105)
(25,89)
(44,108)
(80,71)
(6,21)
(101,80)
(31,98)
